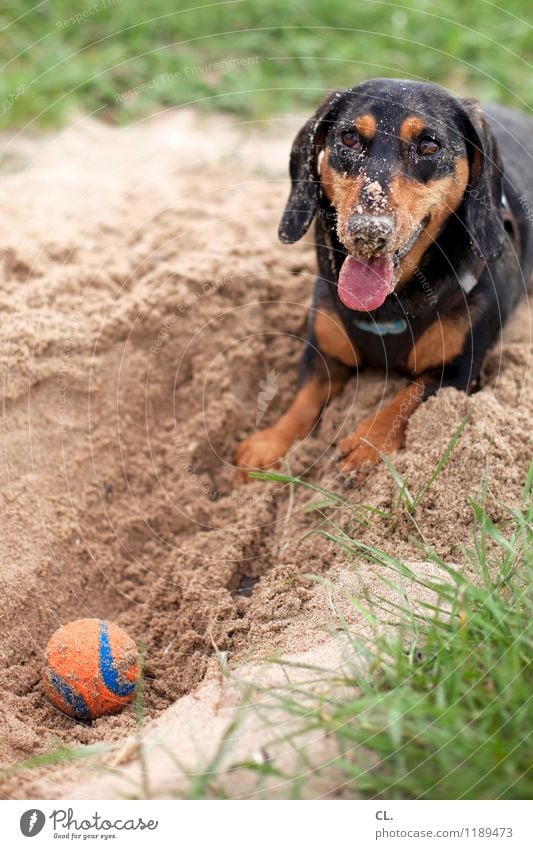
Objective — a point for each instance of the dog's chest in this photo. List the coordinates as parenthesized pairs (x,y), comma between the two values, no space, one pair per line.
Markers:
(383,344)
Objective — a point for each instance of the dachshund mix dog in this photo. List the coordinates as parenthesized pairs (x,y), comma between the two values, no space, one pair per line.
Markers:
(424,207)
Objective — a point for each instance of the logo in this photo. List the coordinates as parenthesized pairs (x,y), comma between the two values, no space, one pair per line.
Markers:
(32,822)
(267,390)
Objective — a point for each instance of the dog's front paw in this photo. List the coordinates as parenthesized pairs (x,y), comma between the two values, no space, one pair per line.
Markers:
(382,433)
(356,454)
(363,448)
(262,450)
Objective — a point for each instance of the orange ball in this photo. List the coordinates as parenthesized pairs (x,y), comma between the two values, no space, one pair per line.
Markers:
(91,668)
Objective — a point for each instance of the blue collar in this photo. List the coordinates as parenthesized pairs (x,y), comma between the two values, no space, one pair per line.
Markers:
(382,328)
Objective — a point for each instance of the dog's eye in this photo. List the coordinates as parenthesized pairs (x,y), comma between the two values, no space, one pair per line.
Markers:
(427,146)
(350,139)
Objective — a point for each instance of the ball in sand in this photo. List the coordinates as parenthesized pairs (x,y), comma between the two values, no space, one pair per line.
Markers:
(91,668)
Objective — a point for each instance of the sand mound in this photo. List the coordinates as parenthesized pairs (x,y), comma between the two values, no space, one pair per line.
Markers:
(145,297)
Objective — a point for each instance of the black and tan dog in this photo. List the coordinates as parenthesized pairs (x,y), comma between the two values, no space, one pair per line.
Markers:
(423,205)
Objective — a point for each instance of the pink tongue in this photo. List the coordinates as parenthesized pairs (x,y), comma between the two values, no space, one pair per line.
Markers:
(364,285)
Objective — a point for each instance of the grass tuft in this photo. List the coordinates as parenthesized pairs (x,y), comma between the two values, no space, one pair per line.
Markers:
(441,707)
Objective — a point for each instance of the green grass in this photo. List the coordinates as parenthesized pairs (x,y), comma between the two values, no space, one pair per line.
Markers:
(52,67)
(58,754)
(442,707)
(437,706)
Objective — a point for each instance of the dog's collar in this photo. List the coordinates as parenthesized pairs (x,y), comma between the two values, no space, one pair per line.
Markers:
(381,328)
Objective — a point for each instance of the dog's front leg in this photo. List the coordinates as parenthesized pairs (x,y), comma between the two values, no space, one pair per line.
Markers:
(323,376)
(383,432)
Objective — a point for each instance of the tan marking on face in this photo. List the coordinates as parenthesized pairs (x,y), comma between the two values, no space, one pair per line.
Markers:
(366,126)
(412,127)
(411,202)
(440,343)
(341,190)
(333,339)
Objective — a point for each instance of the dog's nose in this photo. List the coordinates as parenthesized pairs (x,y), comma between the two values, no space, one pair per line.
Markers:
(372,231)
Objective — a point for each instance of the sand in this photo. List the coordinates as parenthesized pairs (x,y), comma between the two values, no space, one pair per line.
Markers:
(146,305)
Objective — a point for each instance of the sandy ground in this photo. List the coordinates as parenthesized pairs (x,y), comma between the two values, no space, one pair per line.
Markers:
(144,299)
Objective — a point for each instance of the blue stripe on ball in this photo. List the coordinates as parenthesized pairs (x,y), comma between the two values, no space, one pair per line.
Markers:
(108,669)
(73,699)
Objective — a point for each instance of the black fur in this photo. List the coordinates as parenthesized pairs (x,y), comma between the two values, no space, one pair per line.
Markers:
(483,196)
(305,184)
(499,146)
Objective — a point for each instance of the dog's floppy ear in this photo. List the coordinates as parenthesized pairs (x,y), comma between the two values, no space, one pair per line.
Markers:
(484,193)
(303,198)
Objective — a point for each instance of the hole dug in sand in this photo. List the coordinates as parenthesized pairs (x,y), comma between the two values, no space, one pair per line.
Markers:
(133,351)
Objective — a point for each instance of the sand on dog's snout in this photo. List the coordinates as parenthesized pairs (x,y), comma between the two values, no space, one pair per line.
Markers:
(145,298)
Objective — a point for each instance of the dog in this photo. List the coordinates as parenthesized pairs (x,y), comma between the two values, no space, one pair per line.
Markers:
(424,207)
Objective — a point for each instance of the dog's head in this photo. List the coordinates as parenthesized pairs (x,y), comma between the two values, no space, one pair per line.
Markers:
(395,159)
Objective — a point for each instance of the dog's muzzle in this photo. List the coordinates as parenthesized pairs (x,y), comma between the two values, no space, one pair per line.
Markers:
(369,235)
